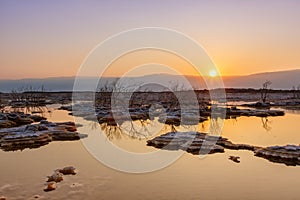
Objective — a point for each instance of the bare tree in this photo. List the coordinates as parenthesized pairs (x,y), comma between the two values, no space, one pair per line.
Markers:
(176,86)
(264,90)
(104,92)
(28,95)
(294,91)
(178,90)
(28,100)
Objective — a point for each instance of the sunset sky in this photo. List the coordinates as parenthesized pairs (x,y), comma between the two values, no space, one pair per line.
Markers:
(51,38)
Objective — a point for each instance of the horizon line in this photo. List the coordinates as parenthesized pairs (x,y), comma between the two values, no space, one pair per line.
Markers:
(136,76)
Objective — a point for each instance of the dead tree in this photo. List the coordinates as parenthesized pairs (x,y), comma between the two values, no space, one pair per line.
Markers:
(104,92)
(265,91)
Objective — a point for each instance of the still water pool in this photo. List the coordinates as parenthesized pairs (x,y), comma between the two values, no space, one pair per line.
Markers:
(23,173)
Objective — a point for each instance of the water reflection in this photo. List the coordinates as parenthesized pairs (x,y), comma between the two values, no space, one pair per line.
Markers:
(31,109)
(137,129)
(266,124)
(100,181)
(144,129)
(112,132)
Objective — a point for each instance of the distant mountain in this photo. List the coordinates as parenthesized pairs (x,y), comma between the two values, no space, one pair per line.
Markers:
(280,80)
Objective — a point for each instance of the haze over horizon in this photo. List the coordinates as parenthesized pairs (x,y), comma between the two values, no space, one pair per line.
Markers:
(280,80)
(143,75)
(51,38)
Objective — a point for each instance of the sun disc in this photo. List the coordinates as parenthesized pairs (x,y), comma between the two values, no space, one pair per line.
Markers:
(213,73)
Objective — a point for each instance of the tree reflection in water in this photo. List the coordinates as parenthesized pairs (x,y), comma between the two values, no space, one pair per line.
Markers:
(112,132)
(30,109)
(266,124)
(138,129)
(143,129)
(216,125)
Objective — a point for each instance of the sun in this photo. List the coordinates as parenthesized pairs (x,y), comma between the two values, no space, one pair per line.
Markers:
(213,73)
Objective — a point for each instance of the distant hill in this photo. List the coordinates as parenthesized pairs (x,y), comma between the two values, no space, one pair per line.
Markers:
(280,80)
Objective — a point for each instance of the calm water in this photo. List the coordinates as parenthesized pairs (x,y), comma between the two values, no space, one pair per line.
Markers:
(22,174)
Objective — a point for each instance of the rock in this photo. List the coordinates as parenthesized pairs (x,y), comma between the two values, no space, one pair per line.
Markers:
(289,154)
(171,120)
(37,118)
(58,135)
(276,113)
(36,135)
(192,142)
(7,124)
(262,114)
(36,196)
(2,198)
(21,141)
(258,105)
(67,170)
(138,116)
(201,143)
(234,159)
(8,120)
(23,121)
(196,143)
(233,108)
(13,116)
(56,177)
(3,117)
(50,187)
(200,146)
(44,122)
(36,127)
(68,108)
(71,128)
(75,185)
(258,113)
(107,118)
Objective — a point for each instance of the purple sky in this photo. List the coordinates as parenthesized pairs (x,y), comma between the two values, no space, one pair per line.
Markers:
(45,38)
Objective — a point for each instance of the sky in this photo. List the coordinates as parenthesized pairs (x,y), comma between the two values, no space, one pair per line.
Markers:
(51,38)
